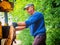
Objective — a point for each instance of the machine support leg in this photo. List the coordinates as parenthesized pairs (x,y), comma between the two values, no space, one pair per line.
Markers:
(6,17)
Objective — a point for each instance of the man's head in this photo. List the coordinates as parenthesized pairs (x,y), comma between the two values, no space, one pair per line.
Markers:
(29,8)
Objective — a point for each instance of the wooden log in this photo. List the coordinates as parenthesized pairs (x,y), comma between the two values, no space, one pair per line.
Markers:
(8,33)
(0,30)
(10,36)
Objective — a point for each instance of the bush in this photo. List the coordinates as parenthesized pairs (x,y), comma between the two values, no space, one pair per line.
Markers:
(25,37)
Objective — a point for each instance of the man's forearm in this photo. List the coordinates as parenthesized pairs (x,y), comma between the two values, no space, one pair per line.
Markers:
(20,28)
(21,24)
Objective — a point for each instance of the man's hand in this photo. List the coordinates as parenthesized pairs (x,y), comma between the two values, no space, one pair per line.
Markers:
(14,24)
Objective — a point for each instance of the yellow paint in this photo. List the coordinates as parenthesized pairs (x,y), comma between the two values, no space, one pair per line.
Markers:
(6,6)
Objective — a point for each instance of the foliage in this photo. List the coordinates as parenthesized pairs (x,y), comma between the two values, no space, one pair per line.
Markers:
(51,11)
(26,38)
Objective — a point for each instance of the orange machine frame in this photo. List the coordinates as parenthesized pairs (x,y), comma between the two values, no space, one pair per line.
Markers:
(6,6)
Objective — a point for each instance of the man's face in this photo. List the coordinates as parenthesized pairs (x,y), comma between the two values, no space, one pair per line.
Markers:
(30,10)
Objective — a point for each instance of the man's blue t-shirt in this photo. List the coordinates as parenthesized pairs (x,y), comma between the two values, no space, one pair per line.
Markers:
(36,24)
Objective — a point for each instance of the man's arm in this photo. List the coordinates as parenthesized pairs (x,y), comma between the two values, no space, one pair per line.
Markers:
(21,24)
(34,18)
(20,28)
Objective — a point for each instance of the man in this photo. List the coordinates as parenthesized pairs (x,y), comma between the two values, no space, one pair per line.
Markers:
(36,25)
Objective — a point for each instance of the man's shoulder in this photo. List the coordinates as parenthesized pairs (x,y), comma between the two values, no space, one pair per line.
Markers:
(38,13)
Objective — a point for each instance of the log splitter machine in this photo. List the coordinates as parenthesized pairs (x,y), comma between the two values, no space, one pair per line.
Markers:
(6,31)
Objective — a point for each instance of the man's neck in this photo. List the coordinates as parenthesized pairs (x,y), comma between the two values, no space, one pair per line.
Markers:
(33,12)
